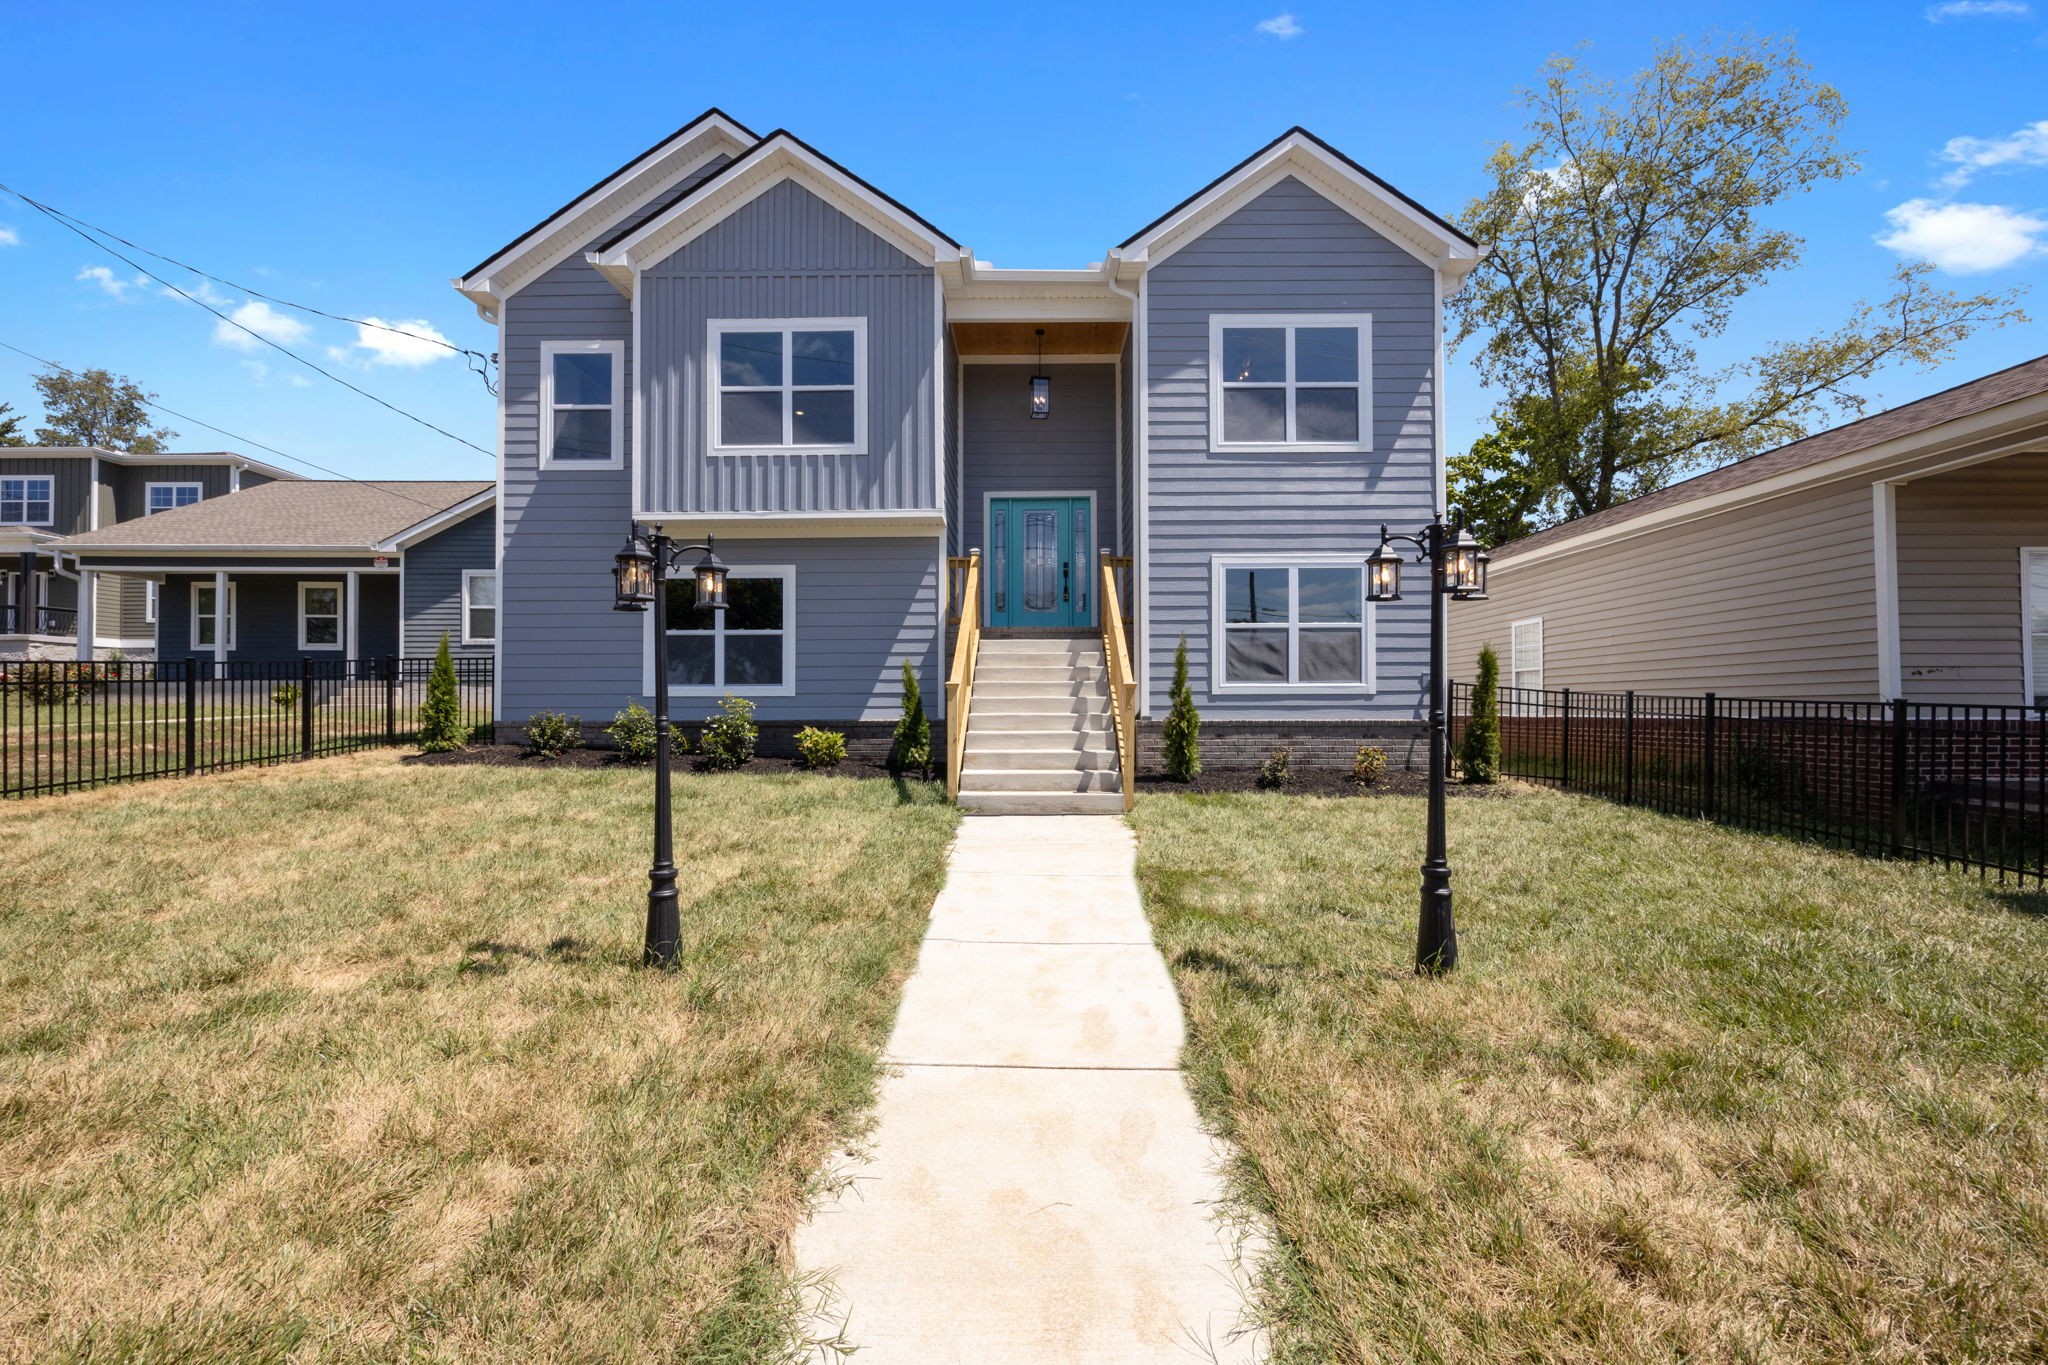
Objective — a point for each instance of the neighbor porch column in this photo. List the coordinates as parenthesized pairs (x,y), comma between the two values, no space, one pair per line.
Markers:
(25,594)
(348,610)
(223,620)
(88,589)
(1884,527)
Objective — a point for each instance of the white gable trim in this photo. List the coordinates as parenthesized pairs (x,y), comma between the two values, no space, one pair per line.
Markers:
(1300,157)
(778,159)
(440,521)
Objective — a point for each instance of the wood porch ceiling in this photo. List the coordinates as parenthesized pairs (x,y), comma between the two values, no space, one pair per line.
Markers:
(1021,338)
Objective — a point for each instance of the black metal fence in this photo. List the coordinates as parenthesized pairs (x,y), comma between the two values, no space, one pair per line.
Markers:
(1962,785)
(64,726)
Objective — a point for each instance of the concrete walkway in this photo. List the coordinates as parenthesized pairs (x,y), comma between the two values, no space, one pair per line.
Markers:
(1038,1188)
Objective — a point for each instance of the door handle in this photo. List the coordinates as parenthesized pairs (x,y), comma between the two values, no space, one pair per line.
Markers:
(1066,594)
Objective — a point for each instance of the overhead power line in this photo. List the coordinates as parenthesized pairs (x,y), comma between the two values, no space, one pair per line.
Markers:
(135,265)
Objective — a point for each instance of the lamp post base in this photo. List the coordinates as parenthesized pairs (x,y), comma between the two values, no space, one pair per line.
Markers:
(664,919)
(1436,938)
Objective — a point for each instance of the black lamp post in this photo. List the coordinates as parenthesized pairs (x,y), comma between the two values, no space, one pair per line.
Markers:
(1457,569)
(640,579)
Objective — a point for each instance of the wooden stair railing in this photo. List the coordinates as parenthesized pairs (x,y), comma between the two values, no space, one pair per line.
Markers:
(1123,688)
(963,575)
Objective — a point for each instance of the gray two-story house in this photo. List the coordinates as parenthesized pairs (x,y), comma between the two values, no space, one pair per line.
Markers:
(734,336)
(48,493)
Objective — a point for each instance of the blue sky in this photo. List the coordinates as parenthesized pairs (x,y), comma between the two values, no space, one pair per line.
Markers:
(357,162)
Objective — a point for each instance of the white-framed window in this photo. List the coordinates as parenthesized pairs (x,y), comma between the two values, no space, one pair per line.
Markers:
(206,616)
(162,497)
(789,384)
(320,616)
(1291,623)
(28,500)
(583,404)
(749,648)
(149,601)
(479,606)
(2034,624)
(1525,653)
(1296,382)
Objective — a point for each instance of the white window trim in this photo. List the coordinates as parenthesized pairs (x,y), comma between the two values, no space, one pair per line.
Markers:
(340,614)
(149,488)
(546,433)
(469,576)
(787,573)
(713,388)
(49,483)
(2028,554)
(149,592)
(1217,682)
(1515,668)
(1362,321)
(192,641)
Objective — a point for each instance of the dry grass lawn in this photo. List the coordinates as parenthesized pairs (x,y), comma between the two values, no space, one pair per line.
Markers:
(1692,1095)
(354,1060)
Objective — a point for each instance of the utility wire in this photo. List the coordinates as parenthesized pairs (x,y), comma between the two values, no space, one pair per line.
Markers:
(245,440)
(132,264)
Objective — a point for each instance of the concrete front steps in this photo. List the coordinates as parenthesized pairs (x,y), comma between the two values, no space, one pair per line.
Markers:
(1039,736)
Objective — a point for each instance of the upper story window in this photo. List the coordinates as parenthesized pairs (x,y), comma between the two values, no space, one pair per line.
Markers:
(162,497)
(788,384)
(582,404)
(1299,382)
(28,500)
(1291,623)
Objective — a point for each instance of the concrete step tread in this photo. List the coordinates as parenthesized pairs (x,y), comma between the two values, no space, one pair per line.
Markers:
(1038,780)
(1042,803)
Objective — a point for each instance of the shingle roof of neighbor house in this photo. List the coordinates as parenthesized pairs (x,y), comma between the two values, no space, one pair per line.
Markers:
(2023,380)
(324,514)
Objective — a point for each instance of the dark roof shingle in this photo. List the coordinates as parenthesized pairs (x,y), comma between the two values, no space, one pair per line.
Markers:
(322,514)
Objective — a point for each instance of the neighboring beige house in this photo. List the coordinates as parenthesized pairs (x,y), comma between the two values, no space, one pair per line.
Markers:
(1903,555)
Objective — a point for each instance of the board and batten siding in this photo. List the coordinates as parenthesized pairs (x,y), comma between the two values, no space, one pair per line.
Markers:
(71,489)
(789,254)
(1289,250)
(433,585)
(1962,622)
(1010,452)
(1775,599)
(131,483)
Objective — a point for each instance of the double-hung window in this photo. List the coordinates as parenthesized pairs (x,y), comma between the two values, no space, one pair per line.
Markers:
(1299,382)
(789,384)
(2034,607)
(29,500)
(320,616)
(206,622)
(1525,653)
(1292,622)
(162,497)
(750,647)
(479,606)
(582,404)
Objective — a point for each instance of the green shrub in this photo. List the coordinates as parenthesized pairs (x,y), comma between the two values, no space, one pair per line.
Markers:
(1369,765)
(912,751)
(1180,740)
(48,684)
(633,730)
(1479,753)
(819,749)
(552,734)
(1278,769)
(441,727)
(729,737)
(284,695)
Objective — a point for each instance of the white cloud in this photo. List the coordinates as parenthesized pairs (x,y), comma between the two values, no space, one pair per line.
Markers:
(414,343)
(1964,239)
(1978,9)
(2026,146)
(265,321)
(1281,26)
(8,236)
(298,381)
(110,284)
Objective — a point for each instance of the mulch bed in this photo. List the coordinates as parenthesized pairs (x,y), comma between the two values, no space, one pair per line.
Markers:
(517,755)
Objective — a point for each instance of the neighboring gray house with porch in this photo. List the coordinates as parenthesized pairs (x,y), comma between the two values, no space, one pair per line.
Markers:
(317,569)
(733,335)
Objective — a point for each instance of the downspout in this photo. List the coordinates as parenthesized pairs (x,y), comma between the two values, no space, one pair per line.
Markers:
(1140,606)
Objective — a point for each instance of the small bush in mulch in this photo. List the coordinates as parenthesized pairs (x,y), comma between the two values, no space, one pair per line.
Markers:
(1396,782)
(1278,769)
(1369,765)
(515,755)
(550,734)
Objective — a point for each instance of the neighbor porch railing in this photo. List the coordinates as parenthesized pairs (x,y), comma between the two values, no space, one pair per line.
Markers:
(963,595)
(61,622)
(1123,688)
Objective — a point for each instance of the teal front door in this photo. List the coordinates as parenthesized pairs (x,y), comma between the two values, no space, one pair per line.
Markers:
(1041,567)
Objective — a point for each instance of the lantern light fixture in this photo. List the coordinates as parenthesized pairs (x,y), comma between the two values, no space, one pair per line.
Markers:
(633,575)
(1041,385)
(711,573)
(1383,572)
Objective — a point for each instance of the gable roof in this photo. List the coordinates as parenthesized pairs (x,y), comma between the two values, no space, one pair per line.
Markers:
(1810,456)
(306,514)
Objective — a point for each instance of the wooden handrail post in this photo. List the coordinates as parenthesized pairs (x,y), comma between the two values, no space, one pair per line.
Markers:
(960,676)
(1123,688)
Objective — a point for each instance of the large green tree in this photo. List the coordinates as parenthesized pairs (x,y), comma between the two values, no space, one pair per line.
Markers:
(98,408)
(1623,232)
(10,426)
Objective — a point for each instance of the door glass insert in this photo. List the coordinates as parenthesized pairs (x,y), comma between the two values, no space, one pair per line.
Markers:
(999,556)
(1081,560)
(1041,561)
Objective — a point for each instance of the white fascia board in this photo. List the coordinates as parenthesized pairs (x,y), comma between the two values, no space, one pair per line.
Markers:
(122,457)
(795,525)
(440,521)
(781,158)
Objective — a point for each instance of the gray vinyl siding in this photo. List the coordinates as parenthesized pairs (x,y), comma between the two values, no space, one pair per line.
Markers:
(1072,451)
(71,489)
(790,254)
(130,483)
(433,584)
(1962,621)
(267,617)
(1288,251)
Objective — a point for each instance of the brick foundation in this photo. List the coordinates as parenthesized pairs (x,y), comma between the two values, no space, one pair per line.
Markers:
(1233,744)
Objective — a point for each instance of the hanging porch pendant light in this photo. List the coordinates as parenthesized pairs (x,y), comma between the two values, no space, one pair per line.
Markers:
(1041,385)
